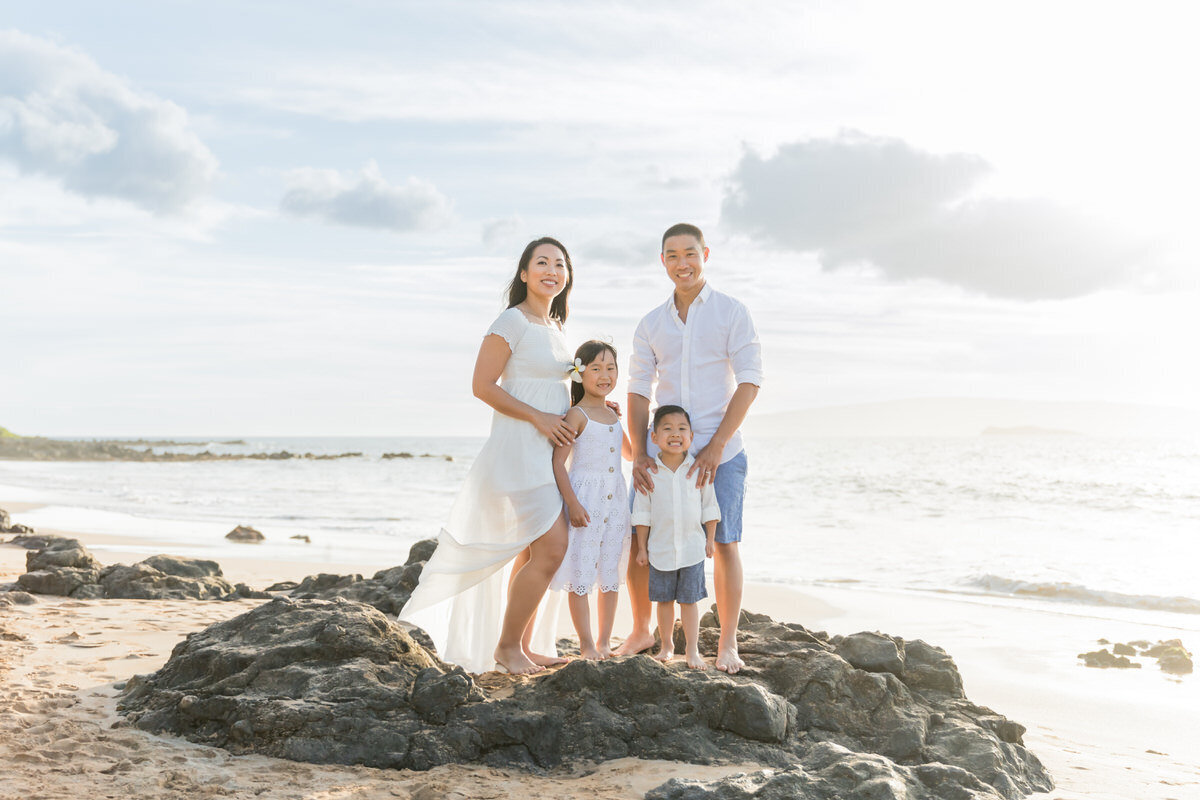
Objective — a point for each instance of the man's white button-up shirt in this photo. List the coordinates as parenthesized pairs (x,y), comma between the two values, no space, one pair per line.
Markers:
(698,364)
(675,511)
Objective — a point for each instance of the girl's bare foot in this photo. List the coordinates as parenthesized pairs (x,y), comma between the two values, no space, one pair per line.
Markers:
(591,653)
(636,643)
(729,661)
(695,660)
(512,659)
(605,651)
(664,655)
(543,660)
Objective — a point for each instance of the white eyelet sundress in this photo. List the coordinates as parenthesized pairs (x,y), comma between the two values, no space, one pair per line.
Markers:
(508,499)
(598,554)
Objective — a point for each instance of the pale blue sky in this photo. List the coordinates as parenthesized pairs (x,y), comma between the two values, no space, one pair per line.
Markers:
(295,218)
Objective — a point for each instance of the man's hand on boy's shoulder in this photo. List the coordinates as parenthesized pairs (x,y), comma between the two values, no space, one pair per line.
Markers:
(642,467)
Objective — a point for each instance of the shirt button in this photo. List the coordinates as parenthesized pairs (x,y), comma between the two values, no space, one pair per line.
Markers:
(606,519)
(612,449)
(610,497)
(610,469)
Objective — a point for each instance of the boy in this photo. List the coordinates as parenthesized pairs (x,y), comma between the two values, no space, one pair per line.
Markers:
(676,525)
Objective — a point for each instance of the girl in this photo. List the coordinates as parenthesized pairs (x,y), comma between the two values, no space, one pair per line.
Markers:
(509,510)
(594,494)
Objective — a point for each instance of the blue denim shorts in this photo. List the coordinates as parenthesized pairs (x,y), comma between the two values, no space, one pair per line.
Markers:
(683,585)
(730,486)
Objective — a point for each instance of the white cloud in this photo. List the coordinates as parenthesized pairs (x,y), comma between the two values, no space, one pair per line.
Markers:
(365,200)
(855,198)
(63,116)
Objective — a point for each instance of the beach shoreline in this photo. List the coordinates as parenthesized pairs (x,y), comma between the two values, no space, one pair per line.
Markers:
(1102,733)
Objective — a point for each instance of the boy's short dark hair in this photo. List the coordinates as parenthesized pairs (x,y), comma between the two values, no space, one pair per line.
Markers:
(664,411)
(684,229)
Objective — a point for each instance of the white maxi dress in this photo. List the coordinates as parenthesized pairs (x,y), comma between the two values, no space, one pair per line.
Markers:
(509,498)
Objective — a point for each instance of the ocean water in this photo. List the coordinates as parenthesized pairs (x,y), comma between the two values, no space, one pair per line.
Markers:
(1109,524)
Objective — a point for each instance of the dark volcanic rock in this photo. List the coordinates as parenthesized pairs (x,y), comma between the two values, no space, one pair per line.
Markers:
(1102,659)
(244,533)
(36,541)
(188,579)
(831,772)
(60,553)
(872,652)
(387,590)
(338,682)
(65,567)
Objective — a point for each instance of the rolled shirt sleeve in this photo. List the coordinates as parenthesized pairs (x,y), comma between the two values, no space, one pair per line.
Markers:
(709,510)
(641,509)
(642,364)
(745,352)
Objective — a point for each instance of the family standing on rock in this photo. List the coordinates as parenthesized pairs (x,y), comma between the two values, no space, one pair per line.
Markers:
(524,522)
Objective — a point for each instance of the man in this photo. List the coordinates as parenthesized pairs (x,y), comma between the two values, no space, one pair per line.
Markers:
(702,351)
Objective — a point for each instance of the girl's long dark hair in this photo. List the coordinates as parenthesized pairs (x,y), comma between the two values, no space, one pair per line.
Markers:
(586,354)
(518,290)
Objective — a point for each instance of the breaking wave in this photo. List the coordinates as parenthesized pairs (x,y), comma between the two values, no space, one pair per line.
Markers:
(1075,593)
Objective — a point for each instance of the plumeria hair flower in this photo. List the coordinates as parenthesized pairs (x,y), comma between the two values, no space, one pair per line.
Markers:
(576,371)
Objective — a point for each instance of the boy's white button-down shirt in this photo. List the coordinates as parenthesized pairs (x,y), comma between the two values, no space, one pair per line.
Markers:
(698,364)
(675,511)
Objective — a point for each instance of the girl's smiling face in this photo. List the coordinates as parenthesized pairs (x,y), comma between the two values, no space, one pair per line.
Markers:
(600,376)
(546,275)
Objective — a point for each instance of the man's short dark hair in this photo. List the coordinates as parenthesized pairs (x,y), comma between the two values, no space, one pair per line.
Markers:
(665,411)
(684,229)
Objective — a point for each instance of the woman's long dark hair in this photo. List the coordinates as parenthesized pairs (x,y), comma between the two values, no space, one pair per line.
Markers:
(518,290)
(586,354)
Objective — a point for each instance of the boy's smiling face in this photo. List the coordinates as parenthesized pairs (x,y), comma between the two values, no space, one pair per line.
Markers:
(672,434)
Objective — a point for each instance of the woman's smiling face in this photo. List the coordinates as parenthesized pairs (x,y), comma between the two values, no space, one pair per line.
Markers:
(546,275)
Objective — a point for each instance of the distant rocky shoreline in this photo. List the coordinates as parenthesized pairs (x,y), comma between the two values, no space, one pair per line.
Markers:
(40,448)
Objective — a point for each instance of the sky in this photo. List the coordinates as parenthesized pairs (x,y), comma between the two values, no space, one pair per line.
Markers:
(299,218)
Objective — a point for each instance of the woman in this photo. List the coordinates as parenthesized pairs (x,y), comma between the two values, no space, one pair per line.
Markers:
(509,506)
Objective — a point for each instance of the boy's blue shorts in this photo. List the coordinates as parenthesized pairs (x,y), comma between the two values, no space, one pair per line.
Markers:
(683,585)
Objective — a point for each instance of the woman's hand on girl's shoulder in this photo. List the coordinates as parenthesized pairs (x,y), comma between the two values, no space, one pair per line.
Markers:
(554,427)
(615,406)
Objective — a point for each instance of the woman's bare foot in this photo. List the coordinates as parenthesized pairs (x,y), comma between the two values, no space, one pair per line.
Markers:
(729,661)
(513,660)
(664,655)
(636,643)
(591,653)
(695,660)
(543,660)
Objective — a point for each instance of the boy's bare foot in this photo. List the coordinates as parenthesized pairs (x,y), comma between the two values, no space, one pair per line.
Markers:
(636,643)
(512,659)
(591,653)
(695,660)
(664,655)
(729,661)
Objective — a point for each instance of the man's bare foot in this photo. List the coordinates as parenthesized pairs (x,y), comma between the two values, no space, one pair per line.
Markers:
(591,653)
(695,660)
(636,643)
(729,661)
(664,655)
(512,659)
(543,660)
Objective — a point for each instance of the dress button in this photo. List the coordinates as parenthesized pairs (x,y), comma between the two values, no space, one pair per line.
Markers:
(610,497)
(612,449)
(610,428)
(610,469)
(606,519)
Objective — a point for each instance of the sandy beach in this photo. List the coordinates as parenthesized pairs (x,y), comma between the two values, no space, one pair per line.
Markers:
(1102,733)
